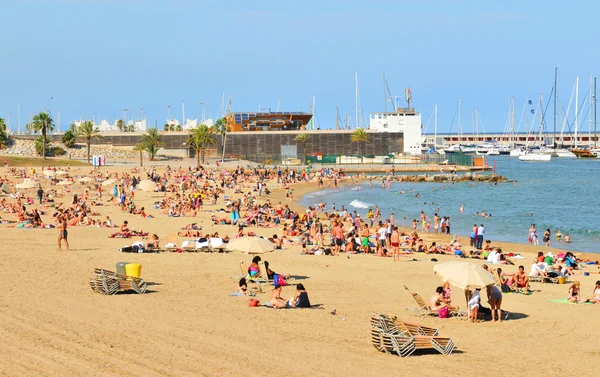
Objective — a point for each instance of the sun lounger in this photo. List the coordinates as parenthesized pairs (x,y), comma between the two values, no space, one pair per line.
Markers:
(423,308)
(109,283)
(395,337)
(171,242)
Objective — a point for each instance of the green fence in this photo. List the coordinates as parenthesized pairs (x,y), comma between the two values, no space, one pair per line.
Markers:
(425,159)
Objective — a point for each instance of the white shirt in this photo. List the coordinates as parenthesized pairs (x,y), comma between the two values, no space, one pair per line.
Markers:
(480,231)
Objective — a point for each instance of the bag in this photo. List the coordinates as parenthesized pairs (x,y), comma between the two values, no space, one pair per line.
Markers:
(253,302)
(443,312)
(279,281)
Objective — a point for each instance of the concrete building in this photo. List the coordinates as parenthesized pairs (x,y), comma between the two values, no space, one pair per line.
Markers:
(404,120)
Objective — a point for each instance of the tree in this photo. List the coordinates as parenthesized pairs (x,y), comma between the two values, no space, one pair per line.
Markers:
(302,138)
(166,127)
(88,131)
(3,134)
(40,146)
(68,138)
(43,123)
(359,136)
(120,125)
(179,128)
(141,148)
(222,128)
(152,141)
(200,137)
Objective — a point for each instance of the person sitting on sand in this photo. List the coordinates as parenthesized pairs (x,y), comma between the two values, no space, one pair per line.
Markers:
(276,301)
(575,293)
(242,287)
(153,241)
(124,227)
(300,299)
(521,280)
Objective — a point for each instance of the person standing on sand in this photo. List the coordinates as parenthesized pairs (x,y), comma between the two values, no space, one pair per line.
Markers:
(395,241)
(62,221)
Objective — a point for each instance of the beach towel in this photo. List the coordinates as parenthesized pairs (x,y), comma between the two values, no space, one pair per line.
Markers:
(566,301)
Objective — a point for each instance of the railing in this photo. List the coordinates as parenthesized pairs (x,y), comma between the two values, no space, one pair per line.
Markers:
(354,161)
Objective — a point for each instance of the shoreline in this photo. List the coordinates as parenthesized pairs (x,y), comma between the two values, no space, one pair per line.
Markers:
(530,251)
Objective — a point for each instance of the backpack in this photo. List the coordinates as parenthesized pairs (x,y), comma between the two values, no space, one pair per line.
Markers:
(279,281)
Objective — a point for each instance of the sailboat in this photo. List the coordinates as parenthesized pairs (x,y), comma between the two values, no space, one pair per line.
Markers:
(539,155)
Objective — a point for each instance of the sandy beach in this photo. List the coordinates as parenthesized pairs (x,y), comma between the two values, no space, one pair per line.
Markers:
(53,324)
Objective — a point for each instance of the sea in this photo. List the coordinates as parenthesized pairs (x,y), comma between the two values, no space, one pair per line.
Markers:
(562,194)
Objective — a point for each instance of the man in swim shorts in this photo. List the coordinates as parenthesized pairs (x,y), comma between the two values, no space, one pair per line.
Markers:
(521,280)
(62,221)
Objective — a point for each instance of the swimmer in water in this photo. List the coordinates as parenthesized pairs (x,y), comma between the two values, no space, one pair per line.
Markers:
(462,208)
(402,192)
(567,238)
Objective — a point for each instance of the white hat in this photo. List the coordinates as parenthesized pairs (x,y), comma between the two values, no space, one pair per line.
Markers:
(550,254)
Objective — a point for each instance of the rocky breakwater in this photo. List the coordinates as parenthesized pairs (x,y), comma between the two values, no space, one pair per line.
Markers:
(78,151)
(467,177)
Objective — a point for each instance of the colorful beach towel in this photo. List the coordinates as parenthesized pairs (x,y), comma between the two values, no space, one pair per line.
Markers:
(566,301)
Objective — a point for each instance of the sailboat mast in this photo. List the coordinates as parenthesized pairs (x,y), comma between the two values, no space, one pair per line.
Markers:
(512,123)
(541,117)
(555,81)
(595,103)
(459,125)
(337,118)
(435,127)
(576,109)
(384,95)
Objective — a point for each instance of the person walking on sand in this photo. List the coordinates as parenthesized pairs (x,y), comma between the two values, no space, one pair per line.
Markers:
(62,221)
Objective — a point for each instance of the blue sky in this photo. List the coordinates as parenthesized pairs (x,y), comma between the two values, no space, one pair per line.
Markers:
(95,57)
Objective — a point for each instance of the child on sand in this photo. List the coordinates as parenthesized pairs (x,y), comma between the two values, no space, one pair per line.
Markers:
(474,305)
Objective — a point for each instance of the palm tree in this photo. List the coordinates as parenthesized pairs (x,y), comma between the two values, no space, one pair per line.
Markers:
(3,134)
(222,128)
(43,123)
(68,138)
(152,141)
(141,148)
(359,136)
(120,125)
(302,138)
(88,131)
(200,137)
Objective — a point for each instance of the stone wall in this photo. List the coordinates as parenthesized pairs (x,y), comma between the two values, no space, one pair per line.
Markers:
(79,151)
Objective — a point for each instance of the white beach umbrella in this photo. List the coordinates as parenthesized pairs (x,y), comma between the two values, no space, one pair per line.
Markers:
(464,275)
(251,245)
(147,185)
(86,179)
(27,185)
(49,173)
(64,183)
(109,182)
(60,172)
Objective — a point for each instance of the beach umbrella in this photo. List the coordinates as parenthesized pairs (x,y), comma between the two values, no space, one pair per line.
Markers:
(109,182)
(251,245)
(64,183)
(60,172)
(49,173)
(147,185)
(464,275)
(86,179)
(27,185)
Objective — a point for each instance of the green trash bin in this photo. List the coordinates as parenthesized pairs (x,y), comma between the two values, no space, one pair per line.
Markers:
(121,268)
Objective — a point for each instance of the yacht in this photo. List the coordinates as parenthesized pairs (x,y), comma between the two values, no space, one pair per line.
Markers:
(565,153)
(535,156)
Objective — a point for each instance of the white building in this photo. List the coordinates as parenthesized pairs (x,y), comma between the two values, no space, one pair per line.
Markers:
(405,120)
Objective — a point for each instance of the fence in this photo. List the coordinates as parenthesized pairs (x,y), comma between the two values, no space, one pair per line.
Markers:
(355,160)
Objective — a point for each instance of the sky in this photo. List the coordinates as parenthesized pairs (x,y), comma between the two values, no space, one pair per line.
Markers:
(96,57)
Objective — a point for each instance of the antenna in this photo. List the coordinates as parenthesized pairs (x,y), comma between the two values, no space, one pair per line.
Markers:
(182,114)
(356,95)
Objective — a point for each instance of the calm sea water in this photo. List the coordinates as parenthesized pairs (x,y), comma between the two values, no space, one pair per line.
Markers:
(562,194)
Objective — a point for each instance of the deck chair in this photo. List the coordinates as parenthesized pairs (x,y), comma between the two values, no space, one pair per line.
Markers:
(423,308)
(387,335)
(110,283)
(171,239)
(415,329)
